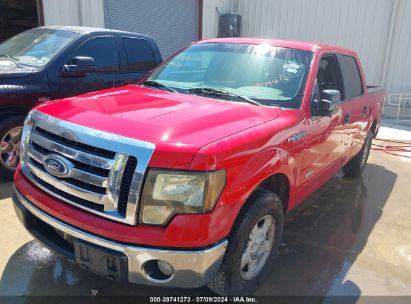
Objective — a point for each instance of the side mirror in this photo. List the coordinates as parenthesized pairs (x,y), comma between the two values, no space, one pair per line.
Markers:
(79,66)
(328,102)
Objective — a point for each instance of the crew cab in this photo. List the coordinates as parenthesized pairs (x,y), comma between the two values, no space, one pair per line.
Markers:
(54,62)
(185,179)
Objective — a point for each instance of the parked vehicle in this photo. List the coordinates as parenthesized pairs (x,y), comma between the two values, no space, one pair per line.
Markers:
(185,180)
(48,63)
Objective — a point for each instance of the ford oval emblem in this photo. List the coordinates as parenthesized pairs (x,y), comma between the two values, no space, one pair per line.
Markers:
(57,165)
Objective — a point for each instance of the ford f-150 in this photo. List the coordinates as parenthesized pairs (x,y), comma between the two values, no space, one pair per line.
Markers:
(185,179)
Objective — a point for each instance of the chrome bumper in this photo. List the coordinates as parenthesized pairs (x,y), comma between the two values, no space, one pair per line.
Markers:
(192,268)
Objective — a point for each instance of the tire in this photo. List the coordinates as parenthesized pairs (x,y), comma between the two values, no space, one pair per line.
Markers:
(9,126)
(355,166)
(374,135)
(231,279)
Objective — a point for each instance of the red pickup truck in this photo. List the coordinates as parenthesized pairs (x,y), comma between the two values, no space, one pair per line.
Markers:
(185,179)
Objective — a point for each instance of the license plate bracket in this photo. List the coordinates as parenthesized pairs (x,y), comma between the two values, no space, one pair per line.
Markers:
(105,262)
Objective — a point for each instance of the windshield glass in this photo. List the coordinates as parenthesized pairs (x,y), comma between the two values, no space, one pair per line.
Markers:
(36,47)
(273,76)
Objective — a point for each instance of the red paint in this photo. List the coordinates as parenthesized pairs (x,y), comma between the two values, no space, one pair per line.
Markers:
(191,132)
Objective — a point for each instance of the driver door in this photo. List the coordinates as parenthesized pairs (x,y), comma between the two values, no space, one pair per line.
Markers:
(327,138)
(104,51)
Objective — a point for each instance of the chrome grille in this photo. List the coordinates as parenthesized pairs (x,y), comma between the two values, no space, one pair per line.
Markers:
(105,170)
(126,184)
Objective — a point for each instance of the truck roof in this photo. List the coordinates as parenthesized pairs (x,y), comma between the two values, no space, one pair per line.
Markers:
(87,30)
(301,45)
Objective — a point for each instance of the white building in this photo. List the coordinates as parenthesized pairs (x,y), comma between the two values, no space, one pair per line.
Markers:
(379,30)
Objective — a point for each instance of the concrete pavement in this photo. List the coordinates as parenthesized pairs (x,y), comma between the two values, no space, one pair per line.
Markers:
(351,237)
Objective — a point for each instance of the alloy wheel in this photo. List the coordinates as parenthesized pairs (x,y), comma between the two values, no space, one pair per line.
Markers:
(258,248)
(10,148)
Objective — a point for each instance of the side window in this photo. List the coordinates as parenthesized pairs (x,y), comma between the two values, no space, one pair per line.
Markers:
(139,54)
(328,78)
(352,77)
(328,75)
(103,50)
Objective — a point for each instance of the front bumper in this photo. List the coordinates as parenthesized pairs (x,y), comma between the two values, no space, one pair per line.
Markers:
(191,268)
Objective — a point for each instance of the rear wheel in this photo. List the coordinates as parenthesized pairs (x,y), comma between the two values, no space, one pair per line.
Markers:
(10,136)
(253,246)
(356,166)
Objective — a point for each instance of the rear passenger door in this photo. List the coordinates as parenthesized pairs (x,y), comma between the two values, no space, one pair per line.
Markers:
(354,98)
(138,59)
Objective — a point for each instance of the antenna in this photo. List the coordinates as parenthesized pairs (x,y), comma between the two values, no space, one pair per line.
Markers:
(115,40)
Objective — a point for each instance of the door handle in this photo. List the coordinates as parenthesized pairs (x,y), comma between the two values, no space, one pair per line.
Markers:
(347,118)
(364,111)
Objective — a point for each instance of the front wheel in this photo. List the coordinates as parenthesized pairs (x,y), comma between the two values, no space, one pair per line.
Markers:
(10,136)
(252,246)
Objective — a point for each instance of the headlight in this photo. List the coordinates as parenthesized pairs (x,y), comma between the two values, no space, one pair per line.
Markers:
(167,193)
(25,138)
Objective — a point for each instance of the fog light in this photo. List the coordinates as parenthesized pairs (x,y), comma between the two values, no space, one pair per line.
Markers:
(165,268)
(158,270)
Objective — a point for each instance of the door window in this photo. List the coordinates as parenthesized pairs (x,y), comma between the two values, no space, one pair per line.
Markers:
(352,77)
(139,54)
(328,75)
(104,52)
(328,78)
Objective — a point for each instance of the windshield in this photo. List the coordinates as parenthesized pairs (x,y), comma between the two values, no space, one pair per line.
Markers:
(272,76)
(36,47)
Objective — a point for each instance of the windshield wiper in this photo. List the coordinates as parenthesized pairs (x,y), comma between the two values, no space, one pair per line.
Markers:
(157,84)
(222,92)
(12,59)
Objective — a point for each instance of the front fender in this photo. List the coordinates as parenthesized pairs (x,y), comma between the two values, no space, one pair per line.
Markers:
(248,163)
(20,96)
(261,166)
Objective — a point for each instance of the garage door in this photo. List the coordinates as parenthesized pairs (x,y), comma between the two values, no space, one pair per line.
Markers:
(172,23)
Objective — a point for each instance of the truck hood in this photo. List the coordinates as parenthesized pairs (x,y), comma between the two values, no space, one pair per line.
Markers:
(8,69)
(173,122)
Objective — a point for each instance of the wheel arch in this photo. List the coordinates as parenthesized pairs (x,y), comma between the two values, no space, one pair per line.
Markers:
(277,183)
(275,173)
